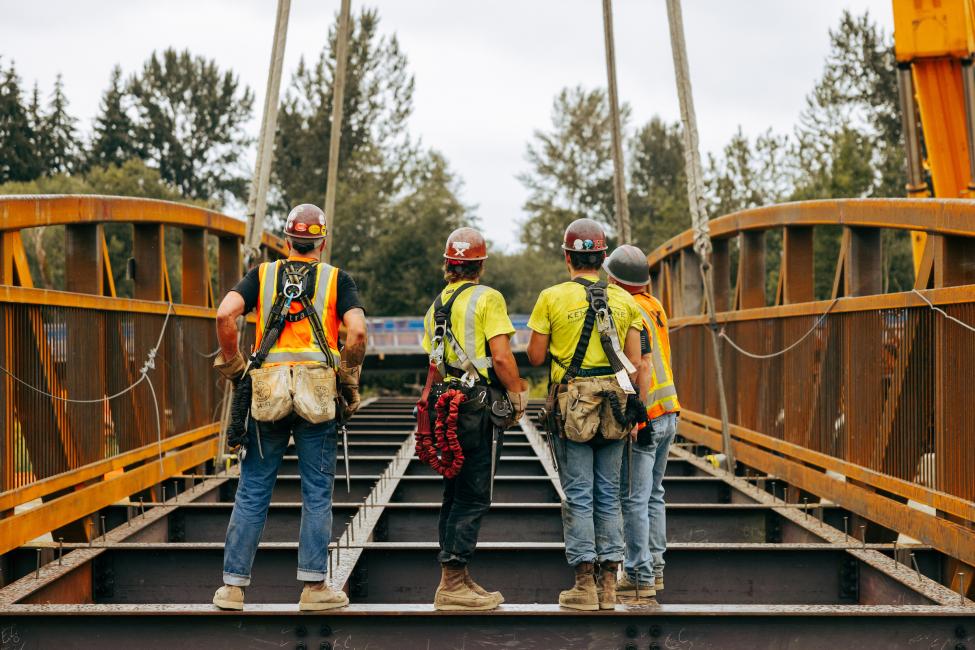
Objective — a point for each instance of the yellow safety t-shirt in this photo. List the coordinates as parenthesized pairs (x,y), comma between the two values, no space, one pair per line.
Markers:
(561,312)
(479,314)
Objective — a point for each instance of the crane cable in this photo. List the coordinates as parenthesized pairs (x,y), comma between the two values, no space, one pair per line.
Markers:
(695,195)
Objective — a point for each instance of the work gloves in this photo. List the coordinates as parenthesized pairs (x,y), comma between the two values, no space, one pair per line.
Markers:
(348,377)
(232,369)
(519,401)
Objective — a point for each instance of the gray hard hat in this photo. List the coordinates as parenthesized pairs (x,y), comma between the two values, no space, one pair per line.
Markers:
(628,265)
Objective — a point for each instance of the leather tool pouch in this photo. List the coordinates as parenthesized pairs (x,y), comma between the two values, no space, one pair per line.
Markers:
(586,411)
(271,393)
(314,392)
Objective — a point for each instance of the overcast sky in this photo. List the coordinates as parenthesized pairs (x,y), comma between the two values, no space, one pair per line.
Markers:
(486,70)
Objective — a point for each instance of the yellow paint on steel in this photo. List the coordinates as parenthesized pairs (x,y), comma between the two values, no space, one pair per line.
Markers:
(17,212)
(955,217)
(44,487)
(946,536)
(21,528)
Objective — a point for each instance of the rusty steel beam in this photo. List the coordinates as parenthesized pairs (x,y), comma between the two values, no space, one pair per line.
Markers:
(20,528)
(196,275)
(955,217)
(796,270)
(751,270)
(17,212)
(891,566)
(951,538)
(535,627)
(83,259)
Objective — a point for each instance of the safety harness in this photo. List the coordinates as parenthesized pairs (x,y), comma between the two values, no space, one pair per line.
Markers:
(440,448)
(296,275)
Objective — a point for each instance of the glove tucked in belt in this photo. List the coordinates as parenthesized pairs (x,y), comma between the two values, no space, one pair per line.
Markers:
(519,401)
(233,368)
(348,377)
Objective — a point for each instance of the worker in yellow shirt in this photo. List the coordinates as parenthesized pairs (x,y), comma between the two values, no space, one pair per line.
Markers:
(644,518)
(473,392)
(592,332)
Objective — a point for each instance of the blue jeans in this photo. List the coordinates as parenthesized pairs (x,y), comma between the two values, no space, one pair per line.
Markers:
(316,446)
(592,521)
(644,514)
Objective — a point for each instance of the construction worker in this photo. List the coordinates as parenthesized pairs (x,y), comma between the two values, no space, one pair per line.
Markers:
(300,304)
(592,332)
(644,518)
(468,334)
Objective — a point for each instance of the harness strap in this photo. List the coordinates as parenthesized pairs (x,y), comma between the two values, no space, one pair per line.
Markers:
(296,273)
(575,365)
(442,332)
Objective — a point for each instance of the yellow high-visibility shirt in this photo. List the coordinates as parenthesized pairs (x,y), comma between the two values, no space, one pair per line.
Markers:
(479,313)
(561,312)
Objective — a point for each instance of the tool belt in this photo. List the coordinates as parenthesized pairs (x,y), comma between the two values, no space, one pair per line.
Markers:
(275,392)
(579,407)
(456,415)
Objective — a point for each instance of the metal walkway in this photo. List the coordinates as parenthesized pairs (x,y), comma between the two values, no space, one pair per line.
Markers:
(744,568)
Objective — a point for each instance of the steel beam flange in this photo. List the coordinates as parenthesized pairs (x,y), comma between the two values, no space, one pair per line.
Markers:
(908,577)
(52,571)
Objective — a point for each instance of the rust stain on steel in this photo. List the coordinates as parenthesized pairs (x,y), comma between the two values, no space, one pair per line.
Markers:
(52,572)
(94,470)
(938,216)
(365,519)
(18,212)
(905,575)
(506,610)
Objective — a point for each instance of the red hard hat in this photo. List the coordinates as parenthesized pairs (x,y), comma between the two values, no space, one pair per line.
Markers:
(305,221)
(465,245)
(584,236)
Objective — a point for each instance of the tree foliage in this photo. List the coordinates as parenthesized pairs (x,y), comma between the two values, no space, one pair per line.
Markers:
(18,156)
(113,139)
(189,124)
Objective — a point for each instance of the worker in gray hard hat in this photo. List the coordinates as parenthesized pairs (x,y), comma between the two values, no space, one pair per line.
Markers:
(644,520)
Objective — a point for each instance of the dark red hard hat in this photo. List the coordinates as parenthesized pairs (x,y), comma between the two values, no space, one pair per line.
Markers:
(584,236)
(465,245)
(628,265)
(305,221)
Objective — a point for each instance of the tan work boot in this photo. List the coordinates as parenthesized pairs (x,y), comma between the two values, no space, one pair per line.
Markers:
(626,588)
(607,582)
(229,597)
(583,595)
(454,595)
(478,589)
(316,599)
(658,583)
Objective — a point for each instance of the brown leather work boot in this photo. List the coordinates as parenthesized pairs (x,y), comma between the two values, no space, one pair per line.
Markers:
(453,595)
(583,595)
(478,589)
(607,583)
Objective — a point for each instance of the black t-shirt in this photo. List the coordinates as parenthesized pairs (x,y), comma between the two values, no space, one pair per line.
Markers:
(348,294)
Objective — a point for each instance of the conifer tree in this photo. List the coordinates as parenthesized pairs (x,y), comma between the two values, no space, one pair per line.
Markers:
(19,160)
(113,140)
(59,134)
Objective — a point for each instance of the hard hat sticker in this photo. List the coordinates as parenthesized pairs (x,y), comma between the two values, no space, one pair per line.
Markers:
(300,227)
(460,247)
(314,230)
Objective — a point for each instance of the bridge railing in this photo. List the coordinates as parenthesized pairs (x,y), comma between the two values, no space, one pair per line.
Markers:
(863,399)
(104,396)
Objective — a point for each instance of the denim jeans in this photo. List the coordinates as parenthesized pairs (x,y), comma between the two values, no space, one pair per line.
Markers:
(316,447)
(592,521)
(644,515)
(466,499)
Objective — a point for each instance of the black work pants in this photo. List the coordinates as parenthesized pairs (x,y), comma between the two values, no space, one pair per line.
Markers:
(466,499)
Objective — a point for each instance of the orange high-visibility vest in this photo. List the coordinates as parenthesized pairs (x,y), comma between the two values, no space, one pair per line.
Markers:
(662,397)
(296,343)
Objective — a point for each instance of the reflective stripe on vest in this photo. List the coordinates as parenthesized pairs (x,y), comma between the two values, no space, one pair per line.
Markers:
(470,334)
(324,280)
(662,397)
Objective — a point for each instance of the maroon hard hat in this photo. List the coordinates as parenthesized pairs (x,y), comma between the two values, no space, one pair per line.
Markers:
(584,236)
(628,265)
(305,221)
(465,245)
